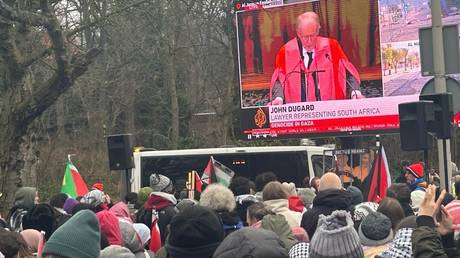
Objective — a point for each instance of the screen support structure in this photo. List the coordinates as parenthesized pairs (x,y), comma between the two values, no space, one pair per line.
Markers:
(444,154)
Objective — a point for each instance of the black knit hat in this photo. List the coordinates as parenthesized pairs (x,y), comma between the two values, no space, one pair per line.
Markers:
(375,230)
(194,232)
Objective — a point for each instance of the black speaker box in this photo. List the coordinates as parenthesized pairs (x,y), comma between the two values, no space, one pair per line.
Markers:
(416,120)
(443,113)
(120,150)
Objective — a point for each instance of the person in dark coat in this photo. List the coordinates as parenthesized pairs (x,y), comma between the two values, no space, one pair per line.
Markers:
(331,197)
(161,202)
(241,188)
(24,200)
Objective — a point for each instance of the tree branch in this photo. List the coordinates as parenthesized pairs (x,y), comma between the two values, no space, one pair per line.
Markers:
(102,18)
(8,13)
(32,60)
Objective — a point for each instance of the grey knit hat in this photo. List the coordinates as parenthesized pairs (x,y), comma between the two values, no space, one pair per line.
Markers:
(375,230)
(160,183)
(116,251)
(335,236)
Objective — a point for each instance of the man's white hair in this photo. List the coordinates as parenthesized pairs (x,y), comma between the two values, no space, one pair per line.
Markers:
(308,16)
(218,197)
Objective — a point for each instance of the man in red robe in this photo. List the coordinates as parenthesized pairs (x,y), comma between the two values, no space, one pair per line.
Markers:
(312,68)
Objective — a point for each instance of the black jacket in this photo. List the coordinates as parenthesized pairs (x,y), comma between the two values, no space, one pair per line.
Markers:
(325,203)
(230,220)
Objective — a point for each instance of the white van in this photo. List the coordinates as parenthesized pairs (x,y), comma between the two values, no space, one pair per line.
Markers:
(289,163)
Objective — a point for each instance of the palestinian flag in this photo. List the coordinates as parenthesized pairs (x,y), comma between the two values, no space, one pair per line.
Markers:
(217,172)
(73,184)
(377,182)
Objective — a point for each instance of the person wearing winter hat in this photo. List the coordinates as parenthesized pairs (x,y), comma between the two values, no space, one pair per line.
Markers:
(184,203)
(220,199)
(194,233)
(414,177)
(250,242)
(331,197)
(98,186)
(79,237)
(161,202)
(356,195)
(306,195)
(143,194)
(116,251)
(375,233)
(69,204)
(335,237)
(161,183)
(24,199)
(131,239)
(96,199)
(401,247)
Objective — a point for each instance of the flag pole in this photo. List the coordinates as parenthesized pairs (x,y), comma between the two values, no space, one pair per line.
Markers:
(379,161)
(189,183)
(193,184)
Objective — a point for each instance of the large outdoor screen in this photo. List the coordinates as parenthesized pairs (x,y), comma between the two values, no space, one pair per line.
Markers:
(329,67)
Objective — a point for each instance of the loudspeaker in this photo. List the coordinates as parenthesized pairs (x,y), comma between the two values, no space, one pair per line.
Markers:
(120,150)
(416,120)
(443,113)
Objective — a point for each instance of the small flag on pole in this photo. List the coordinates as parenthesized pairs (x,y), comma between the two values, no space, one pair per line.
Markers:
(72,183)
(216,172)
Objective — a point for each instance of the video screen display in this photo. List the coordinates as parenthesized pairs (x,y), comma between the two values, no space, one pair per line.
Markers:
(329,67)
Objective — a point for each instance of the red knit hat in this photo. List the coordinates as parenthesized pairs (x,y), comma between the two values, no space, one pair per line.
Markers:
(98,186)
(416,169)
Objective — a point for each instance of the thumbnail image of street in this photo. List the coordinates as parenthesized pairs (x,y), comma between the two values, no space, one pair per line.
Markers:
(401,69)
(401,19)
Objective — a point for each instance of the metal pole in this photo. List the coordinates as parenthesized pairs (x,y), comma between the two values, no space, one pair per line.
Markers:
(427,166)
(444,154)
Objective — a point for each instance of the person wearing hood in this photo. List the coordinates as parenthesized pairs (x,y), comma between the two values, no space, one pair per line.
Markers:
(414,177)
(331,197)
(375,233)
(57,202)
(121,210)
(241,189)
(250,242)
(276,199)
(42,218)
(24,200)
(220,199)
(161,203)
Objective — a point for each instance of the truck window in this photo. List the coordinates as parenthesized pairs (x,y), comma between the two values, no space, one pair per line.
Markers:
(288,166)
(317,162)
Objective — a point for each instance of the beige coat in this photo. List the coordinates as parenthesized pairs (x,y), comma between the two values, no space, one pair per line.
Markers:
(281,206)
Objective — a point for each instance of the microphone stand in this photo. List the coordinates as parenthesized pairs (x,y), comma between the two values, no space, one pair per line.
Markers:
(314,74)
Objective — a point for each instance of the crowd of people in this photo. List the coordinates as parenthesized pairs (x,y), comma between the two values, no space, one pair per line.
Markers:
(265,218)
